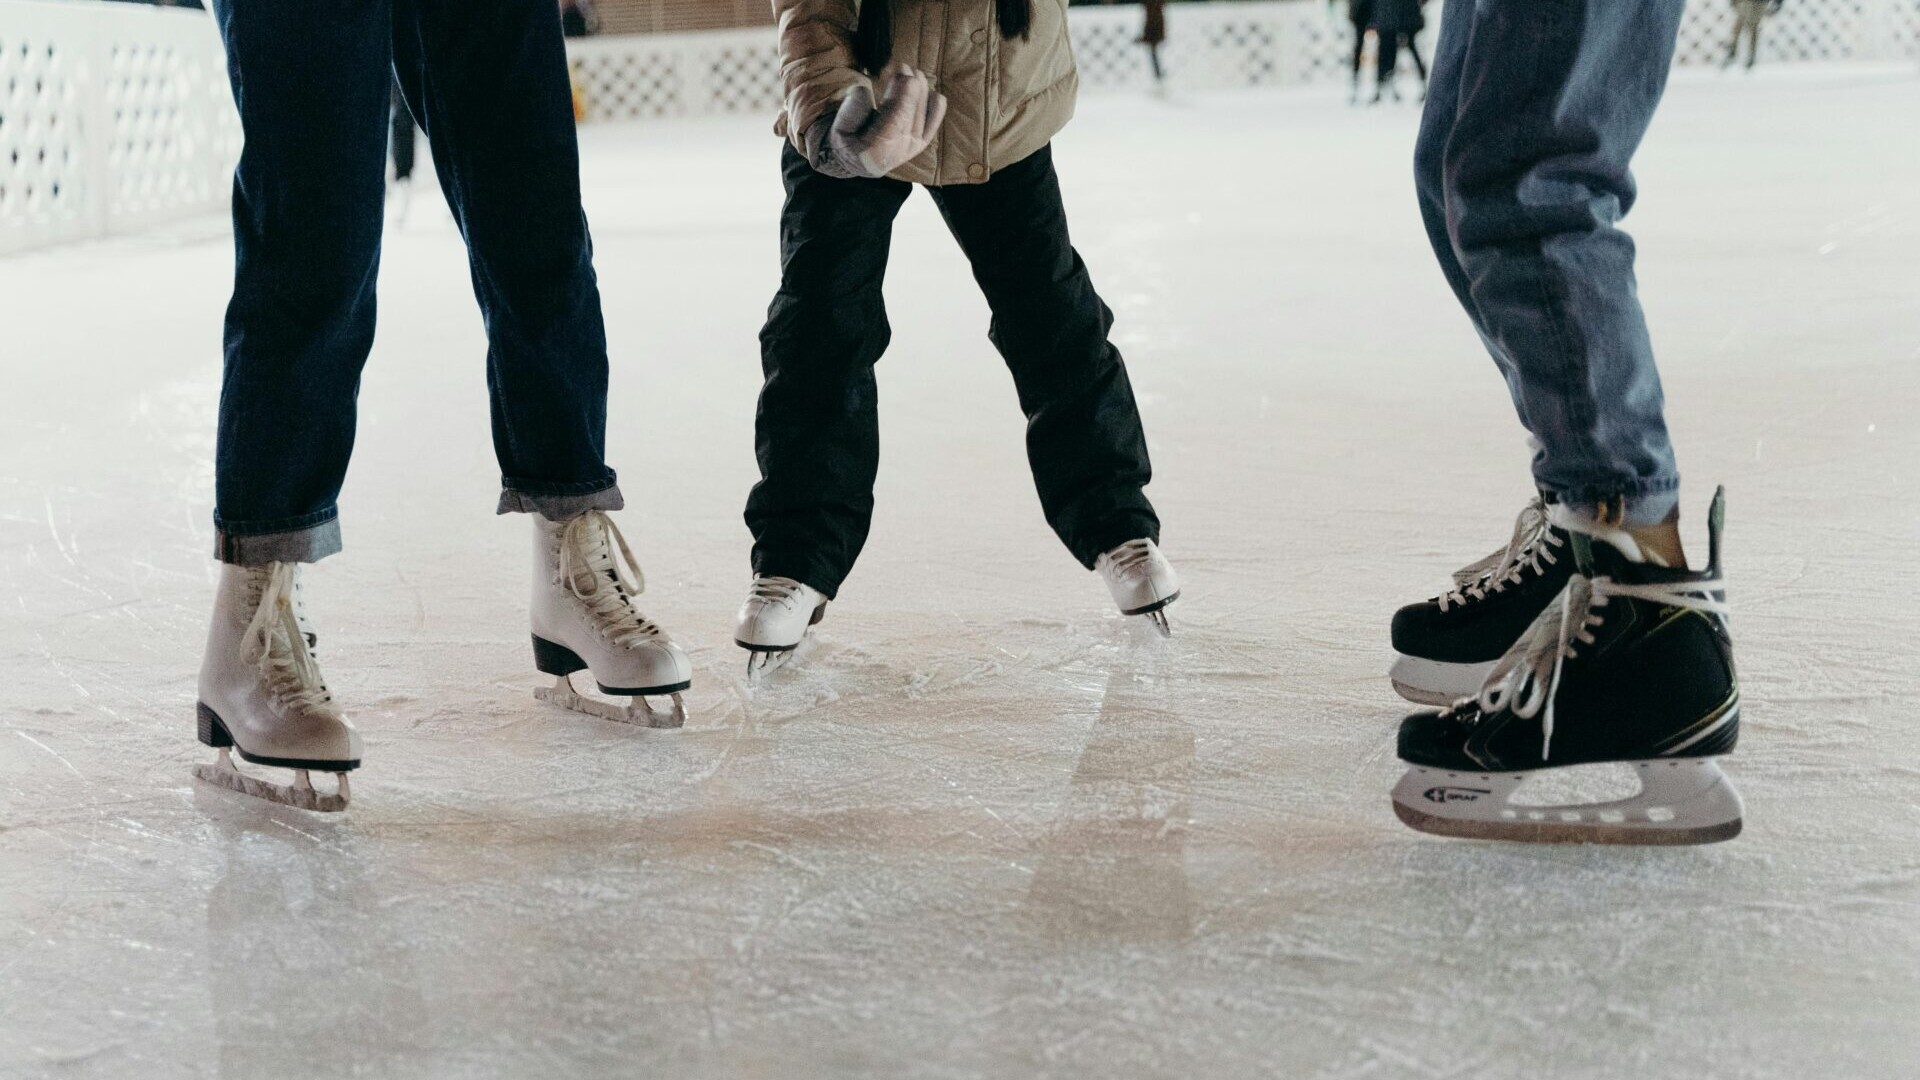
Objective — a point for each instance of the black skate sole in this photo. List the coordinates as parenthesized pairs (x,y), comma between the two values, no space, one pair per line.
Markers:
(1153,607)
(556,659)
(214,733)
(750,647)
(819,612)
(1547,832)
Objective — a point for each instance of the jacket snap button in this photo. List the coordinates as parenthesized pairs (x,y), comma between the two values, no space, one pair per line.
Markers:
(976,170)
(979,37)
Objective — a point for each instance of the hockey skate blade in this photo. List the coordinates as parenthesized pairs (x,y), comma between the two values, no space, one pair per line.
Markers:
(639,711)
(1681,801)
(1432,682)
(301,794)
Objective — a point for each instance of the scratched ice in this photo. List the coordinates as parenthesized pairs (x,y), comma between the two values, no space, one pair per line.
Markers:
(986,829)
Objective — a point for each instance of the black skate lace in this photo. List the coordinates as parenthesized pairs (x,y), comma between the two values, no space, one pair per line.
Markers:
(775,590)
(587,554)
(1527,679)
(1130,556)
(1531,548)
(276,642)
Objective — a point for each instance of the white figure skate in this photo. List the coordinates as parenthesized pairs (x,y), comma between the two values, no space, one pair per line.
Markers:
(584,619)
(773,621)
(1141,580)
(262,696)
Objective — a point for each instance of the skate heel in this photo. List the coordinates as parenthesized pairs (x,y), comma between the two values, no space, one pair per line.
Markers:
(212,731)
(554,659)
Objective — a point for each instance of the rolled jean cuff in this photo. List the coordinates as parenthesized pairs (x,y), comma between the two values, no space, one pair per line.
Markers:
(559,502)
(308,543)
(1639,506)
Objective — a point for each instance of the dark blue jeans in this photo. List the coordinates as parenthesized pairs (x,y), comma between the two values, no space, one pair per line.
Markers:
(487,79)
(1535,111)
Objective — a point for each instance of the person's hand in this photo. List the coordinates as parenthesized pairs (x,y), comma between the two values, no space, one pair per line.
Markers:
(864,141)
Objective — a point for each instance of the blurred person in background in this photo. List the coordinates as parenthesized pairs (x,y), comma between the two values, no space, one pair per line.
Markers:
(487,80)
(1153,35)
(1397,23)
(1360,15)
(402,140)
(864,125)
(1748,15)
(578,18)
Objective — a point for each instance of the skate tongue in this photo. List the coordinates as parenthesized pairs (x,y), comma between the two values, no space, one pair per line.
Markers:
(1582,552)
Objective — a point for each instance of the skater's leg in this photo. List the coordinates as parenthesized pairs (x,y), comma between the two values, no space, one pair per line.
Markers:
(312,86)
(817,432)
(402,138)
(487,80)
(1084,438)
(1551,106)
(1388,45)
(1419,62)
(1429,168)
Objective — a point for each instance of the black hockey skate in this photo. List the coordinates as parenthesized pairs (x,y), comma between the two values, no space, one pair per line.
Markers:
(1631,663)
(1449,644)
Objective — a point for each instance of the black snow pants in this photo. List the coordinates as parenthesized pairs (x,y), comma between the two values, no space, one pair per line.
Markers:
(817,433)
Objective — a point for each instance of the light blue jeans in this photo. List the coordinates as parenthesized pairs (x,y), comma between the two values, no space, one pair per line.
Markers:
(1535,110)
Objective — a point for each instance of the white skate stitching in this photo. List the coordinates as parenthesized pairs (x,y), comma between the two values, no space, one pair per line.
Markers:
(292,675)
(1532,544)
(1526,680)
(615,617)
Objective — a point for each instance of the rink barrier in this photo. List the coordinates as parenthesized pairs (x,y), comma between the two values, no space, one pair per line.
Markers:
(114,117)
(1210,46)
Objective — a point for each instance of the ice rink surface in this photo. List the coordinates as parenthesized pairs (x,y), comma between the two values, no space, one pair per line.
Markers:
(987,829)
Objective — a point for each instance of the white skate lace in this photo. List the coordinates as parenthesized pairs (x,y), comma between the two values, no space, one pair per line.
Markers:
(1527,679)
(1531,547)
(587,552)
(775,590)
(1134,556)
(276,642)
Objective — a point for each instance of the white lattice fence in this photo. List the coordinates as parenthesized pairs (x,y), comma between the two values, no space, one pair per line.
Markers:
(112,117)
(1209,46)
(115,116)
(654,75)
(1807,30)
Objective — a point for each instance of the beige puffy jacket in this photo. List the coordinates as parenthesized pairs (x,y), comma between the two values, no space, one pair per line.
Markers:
(1006,97)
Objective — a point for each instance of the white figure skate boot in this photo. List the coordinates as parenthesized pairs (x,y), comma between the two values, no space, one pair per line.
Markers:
(775,618)
(261,693)
(584,619)
(1141,580)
